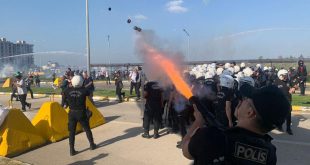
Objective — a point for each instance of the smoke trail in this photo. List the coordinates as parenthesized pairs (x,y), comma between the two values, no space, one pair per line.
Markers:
(261,30)
(152,70)
(161,63)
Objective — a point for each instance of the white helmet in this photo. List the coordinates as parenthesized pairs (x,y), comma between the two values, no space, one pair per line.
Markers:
(236,68)
(227,65)
(209,75)
(242,65)
(227,81)
(219,71)
(281,73)
(247,71)
(259,66)
(246,80)
(77,81)
(265,68)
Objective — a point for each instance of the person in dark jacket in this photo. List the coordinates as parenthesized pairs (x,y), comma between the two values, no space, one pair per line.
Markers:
(119,86)
(302,76)
(283,83)
(258,112)
(76,99)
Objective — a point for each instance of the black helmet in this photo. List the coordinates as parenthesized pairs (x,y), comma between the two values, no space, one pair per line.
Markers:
(300,62)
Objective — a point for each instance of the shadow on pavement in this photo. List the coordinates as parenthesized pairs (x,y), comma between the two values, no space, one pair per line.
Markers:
(111,118)
(129,133)
(100,104)
(297,130)
(90,161)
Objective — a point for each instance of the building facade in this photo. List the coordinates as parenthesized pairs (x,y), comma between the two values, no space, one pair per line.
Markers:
(9,49)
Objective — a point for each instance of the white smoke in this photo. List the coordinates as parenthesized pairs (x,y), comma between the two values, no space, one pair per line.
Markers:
(7,71)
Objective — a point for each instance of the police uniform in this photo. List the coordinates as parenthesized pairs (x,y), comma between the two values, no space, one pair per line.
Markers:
(302,74)
(153,106)
(225,94)
(241,145)
(76,99)
(235,146)
(284,86)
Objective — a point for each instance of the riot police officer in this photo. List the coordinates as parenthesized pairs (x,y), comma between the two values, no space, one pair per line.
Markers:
(260,111)
(302,76)
(283,83)
(153,106)
(75,96)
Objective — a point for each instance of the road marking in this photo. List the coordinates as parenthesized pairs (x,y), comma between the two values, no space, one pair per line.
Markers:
(293,142)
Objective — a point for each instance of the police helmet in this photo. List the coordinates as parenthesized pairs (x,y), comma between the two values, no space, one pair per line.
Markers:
(300,62)
(77,81)
(227,81)
(282,73)
(247,71)
(246,80)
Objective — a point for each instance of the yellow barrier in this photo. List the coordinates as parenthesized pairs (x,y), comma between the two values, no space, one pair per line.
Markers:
(7,83)
(57,82)
(51,121)
(18,135)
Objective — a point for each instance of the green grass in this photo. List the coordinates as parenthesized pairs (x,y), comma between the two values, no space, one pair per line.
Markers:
(301,100)
(297,100)
(44,90)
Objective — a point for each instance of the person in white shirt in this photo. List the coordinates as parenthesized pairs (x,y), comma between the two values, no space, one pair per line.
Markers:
(22,91)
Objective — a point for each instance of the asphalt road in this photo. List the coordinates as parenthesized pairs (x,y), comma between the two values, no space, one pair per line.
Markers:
(120,140)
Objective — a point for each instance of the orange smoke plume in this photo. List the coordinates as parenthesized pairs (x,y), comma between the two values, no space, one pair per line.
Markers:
(170,69)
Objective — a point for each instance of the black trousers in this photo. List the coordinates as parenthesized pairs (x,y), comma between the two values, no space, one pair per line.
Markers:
(302,87)
(31,93)
(151,115)
(289,119)
(22,99)
(132,85)
(119,93)
(137,89)
(74,117)
(14,95)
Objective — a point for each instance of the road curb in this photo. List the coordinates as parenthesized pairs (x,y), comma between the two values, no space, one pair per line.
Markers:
(300,108)
(97,98)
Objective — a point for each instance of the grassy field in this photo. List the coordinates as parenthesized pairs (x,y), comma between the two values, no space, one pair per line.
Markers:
(297,100)
(43,90)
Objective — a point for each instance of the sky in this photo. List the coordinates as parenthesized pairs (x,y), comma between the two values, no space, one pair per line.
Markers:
(218,29)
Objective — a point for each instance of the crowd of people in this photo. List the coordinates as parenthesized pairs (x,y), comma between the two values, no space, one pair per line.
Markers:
(246,102)
(234,108)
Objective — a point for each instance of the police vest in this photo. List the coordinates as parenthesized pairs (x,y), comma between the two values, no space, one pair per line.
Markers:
(243,147)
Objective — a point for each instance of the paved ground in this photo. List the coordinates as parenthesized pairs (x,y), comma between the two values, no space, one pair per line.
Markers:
(120,141)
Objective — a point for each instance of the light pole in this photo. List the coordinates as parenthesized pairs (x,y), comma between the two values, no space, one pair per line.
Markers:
(109,46)
(188,43)
(87,39)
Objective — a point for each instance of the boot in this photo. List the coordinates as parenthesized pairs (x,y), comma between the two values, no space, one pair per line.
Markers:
(146,135)
(289,131)
(93,146)
(156,135)
(72,151)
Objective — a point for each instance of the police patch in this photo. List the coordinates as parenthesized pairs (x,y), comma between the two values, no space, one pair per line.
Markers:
(251,153)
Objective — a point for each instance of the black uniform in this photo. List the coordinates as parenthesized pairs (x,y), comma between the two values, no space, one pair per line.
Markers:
(285,88)
(76,99)
(153,107)
(302,74)
(225,94)
(241,147)
(28,82)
